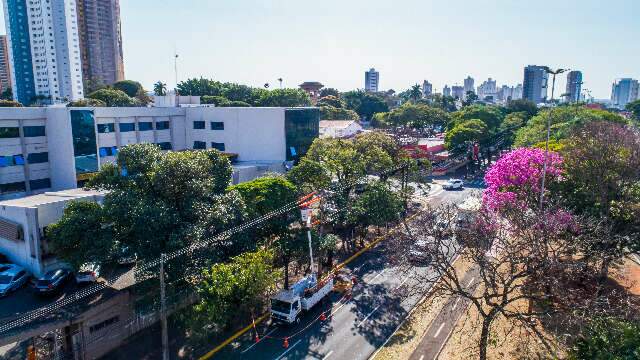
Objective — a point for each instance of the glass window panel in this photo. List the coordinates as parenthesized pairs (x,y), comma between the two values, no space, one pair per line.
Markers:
(145,126)
(84,141)
(217,125)
(106,128)
(199,145)
(162,125)
(33,131)
(127,127)
(40,184)
(218,146)
(37,158)
(9,132)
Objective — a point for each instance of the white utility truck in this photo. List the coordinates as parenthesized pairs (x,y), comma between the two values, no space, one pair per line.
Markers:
(287,305)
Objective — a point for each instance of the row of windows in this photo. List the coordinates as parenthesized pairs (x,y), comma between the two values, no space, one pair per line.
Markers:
(20,186)
(128,127)
(215,125)
(201,145)
(14,132)
(104,324)
(113,150)
(33,158)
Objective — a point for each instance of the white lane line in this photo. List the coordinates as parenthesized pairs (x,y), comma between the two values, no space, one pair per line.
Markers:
(402,283)
(375,277)
(338,308)
(421,357)
(289,349)
(456,304)
(439,329)
(327,356)
(470,281)
(371,313)
(255,343)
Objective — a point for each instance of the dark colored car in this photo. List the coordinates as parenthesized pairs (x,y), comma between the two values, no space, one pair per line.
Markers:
(53,281)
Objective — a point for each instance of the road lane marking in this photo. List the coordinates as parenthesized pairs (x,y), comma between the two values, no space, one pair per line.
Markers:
(470,281)
(371,313)
(289,349)
(375,277)
(338,308)
(402,283)
(439,329)
(254,344)
(421,357)
(327,356)
(456,304)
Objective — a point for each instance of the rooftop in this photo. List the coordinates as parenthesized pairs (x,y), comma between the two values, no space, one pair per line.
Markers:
(50,197)
(335,123)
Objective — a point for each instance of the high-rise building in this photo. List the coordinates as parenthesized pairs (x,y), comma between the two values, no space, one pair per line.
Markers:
(446,91)
(574,85)
(457,92)
(100,42)
(535,83)
(517,92)
(469,85)
(487,90)
(371,80)
(427,88)
(44,50)
(5,65)
(624,91)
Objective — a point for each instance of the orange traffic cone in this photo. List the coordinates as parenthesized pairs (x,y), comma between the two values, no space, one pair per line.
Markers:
(257,338)
(323,317)
(354,280)
(285,344)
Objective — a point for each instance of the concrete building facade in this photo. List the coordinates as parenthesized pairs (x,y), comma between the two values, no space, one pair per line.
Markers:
(54,148)
(5,64)
(371,80)
(535,84)
(574,86)
(487,90)
(427,88)
(469,86)
(457,92)
(624,91)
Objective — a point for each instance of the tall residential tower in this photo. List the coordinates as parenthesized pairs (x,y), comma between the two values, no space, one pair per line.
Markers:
(371,79)
(574,86)
(534,87)
(5,65)
(624,91)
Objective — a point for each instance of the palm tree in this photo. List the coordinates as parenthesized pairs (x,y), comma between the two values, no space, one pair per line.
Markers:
(160,88)
(415,93)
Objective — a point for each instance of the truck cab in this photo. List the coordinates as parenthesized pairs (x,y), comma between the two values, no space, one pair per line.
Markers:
(285,307)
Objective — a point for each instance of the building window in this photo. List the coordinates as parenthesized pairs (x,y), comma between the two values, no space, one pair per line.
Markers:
(145,126)
(127,127)
(217,146)
(198,125)
(9,132)
(162,125)
(10,160)
(108,151)
(33,131)
(200,145)
(37,158)
(12,187)
(165,146)
(84,141)
(106,128)
(104,324)
(217,125)
(40,184)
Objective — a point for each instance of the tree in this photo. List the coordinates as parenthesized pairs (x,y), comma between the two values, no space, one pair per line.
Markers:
(608,338)
(81,235)
(415,93)
(470,98)
(564,120)
(93,84)
(333,113)
(236,289)
(309,175)
(331,100)
(237,92)
(236,103)
(365,104)
(129,87)
(634,107)
(7,94)
(216,100)
(446,103)
(9,103)
(87,103)
(378,205)
(113,98)
(492,116)
(329,92)
(468,131)
(285,98)
(160,88)
(522,105)
(424,118)
(200,87)
(510,125)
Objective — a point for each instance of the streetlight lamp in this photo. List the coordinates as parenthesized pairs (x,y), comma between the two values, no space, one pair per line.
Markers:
(546,151)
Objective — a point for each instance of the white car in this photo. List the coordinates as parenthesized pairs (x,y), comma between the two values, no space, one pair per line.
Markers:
(419,252)
(453,184)
(12,279)
(88,273)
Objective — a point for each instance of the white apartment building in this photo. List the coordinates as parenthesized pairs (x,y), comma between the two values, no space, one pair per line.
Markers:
(54,148)
(487,89)
(339,128)
(52,63)
(371,80)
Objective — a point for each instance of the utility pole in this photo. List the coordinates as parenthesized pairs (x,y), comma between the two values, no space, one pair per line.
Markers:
(546,151)
(163,311)
(310,247)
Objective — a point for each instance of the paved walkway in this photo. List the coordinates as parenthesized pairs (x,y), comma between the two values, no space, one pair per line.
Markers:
(442,326)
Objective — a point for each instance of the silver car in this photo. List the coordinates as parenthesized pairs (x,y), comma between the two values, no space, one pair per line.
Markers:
(12,279)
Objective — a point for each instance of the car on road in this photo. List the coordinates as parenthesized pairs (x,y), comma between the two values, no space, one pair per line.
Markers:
(12,279)
(419,251)
(88,273)
(453,184)
(53,281)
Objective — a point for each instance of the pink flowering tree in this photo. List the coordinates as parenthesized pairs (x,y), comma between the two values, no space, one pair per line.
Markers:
(515,179)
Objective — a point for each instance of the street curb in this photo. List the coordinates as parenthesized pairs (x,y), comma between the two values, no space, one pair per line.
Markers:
(418,303)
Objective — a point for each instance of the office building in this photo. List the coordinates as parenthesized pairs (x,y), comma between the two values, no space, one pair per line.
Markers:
(5,65)
(446,91)
(427,88)
(506,93)
(469,86)
(487,90)
(44,50)
(58,148)
(574,86)
(457,92)
(535,83)
(100,38)
(624,91)
(371,80)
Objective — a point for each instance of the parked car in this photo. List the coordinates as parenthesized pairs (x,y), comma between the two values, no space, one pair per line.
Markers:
(12,279)
(453,184)
(88,273)
(53,281)
(419,252)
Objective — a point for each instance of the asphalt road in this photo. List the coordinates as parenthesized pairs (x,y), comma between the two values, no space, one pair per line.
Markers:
(355,327)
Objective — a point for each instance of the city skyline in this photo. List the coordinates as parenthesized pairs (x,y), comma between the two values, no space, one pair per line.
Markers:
(338,61)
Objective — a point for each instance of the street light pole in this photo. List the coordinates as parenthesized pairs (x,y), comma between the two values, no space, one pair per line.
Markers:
(546,151)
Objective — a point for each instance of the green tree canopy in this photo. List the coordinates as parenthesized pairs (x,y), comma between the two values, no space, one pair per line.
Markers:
(492,116)
(309,175)
(9,103)
(129,87)
(200,87)
(634,107)
(285,98)
(87,102)
(329,92)
(331,100)
(365,104)
(216,100)
(418,116)
(333,113)
(608,338)
(474,130)
(378,205)
(114,98)
(522,105)
(160,88)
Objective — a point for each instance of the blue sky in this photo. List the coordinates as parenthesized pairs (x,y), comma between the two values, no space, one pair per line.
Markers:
(334,42)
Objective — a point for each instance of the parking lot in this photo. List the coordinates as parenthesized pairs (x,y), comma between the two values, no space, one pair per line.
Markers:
(26,299)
